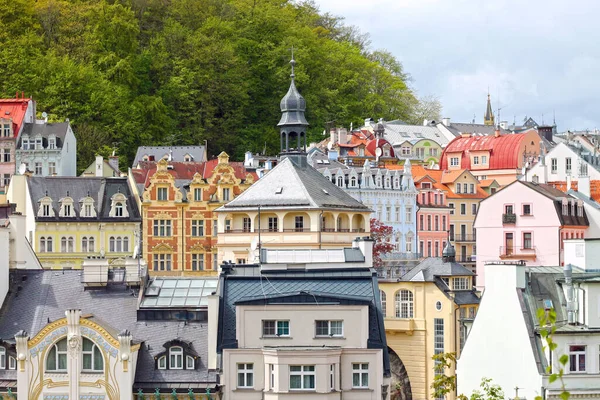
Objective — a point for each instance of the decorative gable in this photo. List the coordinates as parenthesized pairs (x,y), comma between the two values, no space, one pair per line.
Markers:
(45,209)
(118,206)
(87,209)
(67,208)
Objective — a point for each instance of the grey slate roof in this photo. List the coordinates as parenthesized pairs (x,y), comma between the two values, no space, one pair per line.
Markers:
(397,133)
(433,267)
(478,129)
(301,186)
(58,129)
(245,283)
(177,153)
(98,188)
(46,295)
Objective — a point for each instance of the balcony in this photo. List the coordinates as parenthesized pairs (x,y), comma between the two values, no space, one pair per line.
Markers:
(518,253)
(509,219)
(464,238)
(399,324)
(464,258)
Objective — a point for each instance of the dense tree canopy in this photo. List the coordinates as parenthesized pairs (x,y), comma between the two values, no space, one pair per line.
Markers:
(132,72)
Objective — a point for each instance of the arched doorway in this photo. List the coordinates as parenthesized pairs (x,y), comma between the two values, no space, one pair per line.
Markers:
(400,383)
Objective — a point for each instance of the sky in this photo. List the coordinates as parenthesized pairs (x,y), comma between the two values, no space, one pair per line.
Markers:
(539,58)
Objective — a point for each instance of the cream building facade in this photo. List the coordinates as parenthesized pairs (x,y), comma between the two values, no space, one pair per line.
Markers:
(428,310)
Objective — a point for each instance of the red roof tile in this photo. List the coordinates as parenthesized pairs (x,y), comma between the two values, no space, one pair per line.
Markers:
(504,150)
(14,109)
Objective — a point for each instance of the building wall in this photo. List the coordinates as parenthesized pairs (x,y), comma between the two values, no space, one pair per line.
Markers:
(543,171)
(543,224)
(4,263)
(101,232)
(499,333)
(413,339)
(68,155)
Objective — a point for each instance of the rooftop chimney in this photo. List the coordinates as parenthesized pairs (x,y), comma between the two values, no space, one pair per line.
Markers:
(446,121)
(113,161)
(99,165)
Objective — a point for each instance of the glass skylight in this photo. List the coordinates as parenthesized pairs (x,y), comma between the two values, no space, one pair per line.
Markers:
(178,293)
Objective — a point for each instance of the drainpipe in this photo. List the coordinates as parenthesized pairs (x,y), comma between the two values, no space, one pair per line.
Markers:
(568,272)
(583,302)
(320,228)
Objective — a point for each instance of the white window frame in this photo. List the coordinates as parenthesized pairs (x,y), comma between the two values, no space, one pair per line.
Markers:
(197,261)
(12,363)
(92,355)
(162,194)
(226,194)
(161,261)
(576,355)
(162,228)
(553,165)
(303,371)
(176,357)
(190,363)
(162,362)
(454,161)
(404,304)
(460,283)
(335,328)
(197,227)
(245,375)
(2,358)
(197,194)
(58,353)
(360,375)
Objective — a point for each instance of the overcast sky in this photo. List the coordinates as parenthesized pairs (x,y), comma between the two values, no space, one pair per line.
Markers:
(536,56)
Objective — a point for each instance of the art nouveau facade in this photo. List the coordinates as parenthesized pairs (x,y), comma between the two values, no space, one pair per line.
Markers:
(69,219)
(178,201)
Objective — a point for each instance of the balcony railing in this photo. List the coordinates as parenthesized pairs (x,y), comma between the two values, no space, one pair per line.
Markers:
(509,218)
(464,238)
(466,258)
(518,252)
(392,272)
(398,256)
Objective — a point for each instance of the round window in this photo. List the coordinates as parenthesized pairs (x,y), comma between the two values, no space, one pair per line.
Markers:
(438,305)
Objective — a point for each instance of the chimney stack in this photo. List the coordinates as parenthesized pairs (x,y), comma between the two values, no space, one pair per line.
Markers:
(99,165)
(113,161)
(446,121)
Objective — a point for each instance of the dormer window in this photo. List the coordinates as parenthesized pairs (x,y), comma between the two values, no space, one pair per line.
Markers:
(340,181)
(118,207)
(66,207)
(52,142)
(178,356)
(162,193)
(187,158)
(46,207)
(38,143)
(145,158)
(6,129)
(2,358)
(25,143)
(353,182)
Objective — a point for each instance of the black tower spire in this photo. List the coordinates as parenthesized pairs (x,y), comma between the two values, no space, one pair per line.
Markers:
(293,124)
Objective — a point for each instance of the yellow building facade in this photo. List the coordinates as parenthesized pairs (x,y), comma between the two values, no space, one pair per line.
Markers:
(70,219)
(427,311)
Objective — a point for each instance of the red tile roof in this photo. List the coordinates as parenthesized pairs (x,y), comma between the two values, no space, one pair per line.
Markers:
(594,187)
(504,150)
(14,109)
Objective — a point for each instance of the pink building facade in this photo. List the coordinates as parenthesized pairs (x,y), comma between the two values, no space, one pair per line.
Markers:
(529,222)
(433,219)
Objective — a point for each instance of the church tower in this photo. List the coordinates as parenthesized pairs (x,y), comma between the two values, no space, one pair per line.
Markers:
(488,118)
(293,124)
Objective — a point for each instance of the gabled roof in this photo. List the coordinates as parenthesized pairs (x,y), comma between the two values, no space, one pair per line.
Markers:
(458,128)
(433,267)
(58,129)
(294,184)
(45,295)
(397,133)
(14,109)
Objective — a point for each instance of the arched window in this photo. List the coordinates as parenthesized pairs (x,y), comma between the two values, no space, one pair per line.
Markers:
(91,244)
(84,244)
(66,244)
(176,357)
(125,244)
(383,302)
(57,357)
(111,246)
(404,304)
(92,357)
(353,181)
(119,209)
(2,358)
(119,247)
(162,362)
(340,181)
(189,362)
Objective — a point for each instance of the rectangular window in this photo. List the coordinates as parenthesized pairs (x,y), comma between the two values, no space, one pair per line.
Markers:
(437,223)
(451,205)
(444,223)
(51,168)
(397,211)
(553,165)
(463,209)
(332,377)
(245,375)
(568,165)
(162,194)
(215,228)
(465,188)
(5,155)
(329,328)
(299,223)
(197,262)
(197,194)
(360,375)
(475,160)
(472,188)
(577,358)
(458,188)
(162,262)
(508,209)
(6,180)
(526,209)
(302,377)
(197,228)
(460,283)
(527,242)
(409,215)
(454,161)
(162,227)
(6,130)
(421,222)
(246,224)
(438,338)
(215,262)
(276,328)
(474,209)
(51,143)
(273,224)
(38,168)
(226,194)
(483,160)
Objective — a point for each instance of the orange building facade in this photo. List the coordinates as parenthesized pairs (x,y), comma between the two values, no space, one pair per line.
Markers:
(178,200)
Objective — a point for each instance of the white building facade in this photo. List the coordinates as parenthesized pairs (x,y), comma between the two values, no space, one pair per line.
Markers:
(47,149)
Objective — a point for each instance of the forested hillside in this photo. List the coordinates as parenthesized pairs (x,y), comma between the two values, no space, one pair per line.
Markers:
(135,72)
